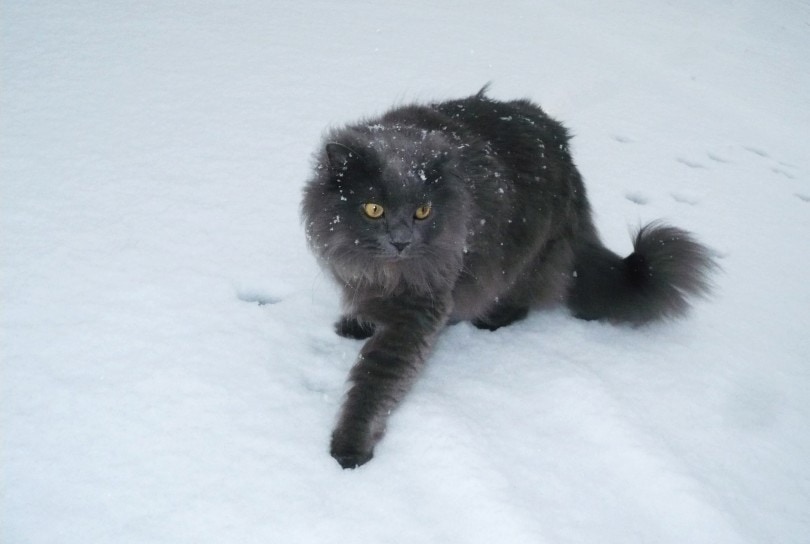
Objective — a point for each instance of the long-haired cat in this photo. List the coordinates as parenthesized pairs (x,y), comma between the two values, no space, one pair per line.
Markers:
(467,210)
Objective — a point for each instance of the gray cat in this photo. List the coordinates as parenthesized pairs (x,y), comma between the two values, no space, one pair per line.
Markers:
(468,210)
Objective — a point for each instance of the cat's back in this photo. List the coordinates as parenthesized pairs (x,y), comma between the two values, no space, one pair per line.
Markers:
(518,131)
(502,124)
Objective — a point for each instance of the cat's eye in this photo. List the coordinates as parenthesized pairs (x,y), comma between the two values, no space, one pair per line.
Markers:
(372,210)
(422,212)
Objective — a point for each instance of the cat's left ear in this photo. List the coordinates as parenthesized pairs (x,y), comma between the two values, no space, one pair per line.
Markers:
(339,155)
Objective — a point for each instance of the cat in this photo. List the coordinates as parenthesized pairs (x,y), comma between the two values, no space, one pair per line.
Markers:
(468,210)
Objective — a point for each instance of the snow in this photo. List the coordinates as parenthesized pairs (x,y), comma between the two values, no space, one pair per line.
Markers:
(169,371)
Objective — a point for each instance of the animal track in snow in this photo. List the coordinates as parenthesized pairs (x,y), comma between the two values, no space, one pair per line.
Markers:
(257,297)
(783,172)
(637,198)
(718,158)
(780,167)
(685,198)
(757,151)
(776,166)
(690,163)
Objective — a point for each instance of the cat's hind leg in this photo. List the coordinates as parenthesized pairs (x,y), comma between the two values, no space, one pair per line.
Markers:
(349,326)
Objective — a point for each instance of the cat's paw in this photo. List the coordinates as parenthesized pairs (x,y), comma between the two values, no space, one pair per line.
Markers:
(352,459)
(349,452)
(501,316)
(350,327)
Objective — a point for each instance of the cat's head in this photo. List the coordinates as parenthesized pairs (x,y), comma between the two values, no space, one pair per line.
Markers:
(386,206)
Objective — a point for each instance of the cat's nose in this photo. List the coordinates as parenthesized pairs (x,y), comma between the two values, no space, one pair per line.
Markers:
(400,245)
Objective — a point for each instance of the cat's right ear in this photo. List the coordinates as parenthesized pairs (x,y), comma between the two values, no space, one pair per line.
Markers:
(339,155)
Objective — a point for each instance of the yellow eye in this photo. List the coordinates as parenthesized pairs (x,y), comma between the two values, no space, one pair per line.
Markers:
(372,210)
(422,212)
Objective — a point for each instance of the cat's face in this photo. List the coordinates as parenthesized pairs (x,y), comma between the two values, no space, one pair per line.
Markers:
(386,206)
(388,199)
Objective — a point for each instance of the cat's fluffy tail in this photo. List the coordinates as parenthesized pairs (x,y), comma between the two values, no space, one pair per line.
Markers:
(667,267)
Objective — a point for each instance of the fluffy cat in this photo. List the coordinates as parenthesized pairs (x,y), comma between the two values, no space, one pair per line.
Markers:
(467,210)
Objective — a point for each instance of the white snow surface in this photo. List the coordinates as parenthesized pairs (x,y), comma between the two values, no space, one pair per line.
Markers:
(169,369)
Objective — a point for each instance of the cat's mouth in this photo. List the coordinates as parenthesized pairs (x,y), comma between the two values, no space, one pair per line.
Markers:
(396,257)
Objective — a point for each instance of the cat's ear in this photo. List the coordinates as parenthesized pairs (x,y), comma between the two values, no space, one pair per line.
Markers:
(339,155)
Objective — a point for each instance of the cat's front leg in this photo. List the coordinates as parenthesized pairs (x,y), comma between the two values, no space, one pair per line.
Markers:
(387,367)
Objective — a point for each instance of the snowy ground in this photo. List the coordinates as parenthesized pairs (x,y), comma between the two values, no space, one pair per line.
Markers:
(169,372)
